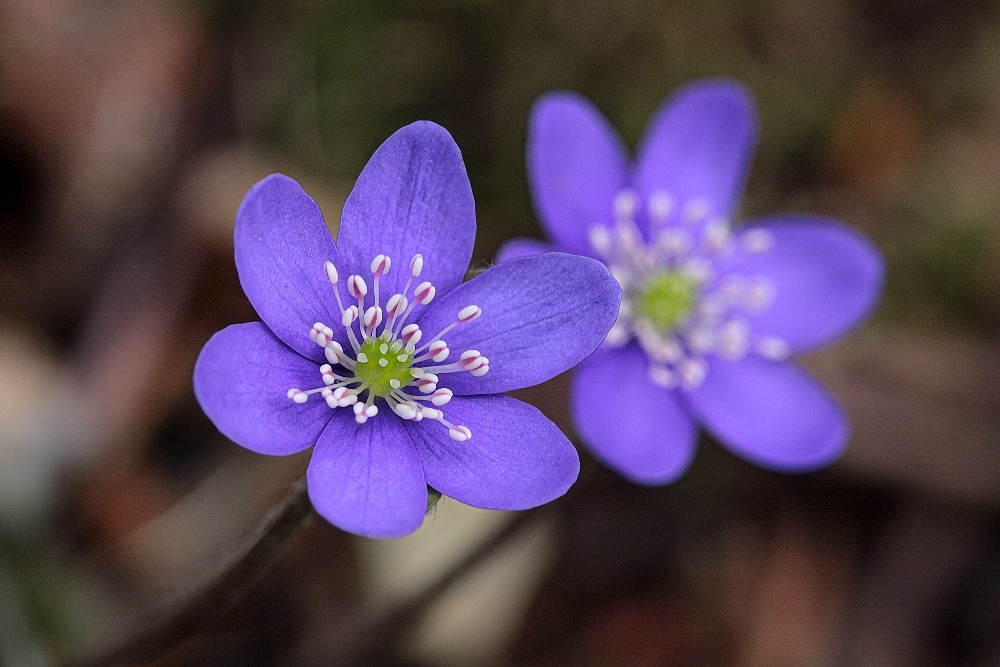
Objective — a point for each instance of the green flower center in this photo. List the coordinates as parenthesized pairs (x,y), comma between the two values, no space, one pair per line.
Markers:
(384,366)
(666,299)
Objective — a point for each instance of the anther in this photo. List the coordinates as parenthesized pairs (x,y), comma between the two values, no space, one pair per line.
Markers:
(331,272)
(427,383)
(757,240)
(424,293)
(459,433)
(695,210)
(416,265)
(321,334)
(469,313)
(297,395)
(471,359)
(396,305)
(626,204)
(350,314)
(773,348)
(327,373)
(335,353)
(600,239)
(441,396)
(357,287)
(663,376)
(410,334)
(380,265)
(661,205)
(438,350)
(373,317)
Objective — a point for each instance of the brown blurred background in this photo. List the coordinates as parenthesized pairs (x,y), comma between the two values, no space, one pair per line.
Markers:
(129,131)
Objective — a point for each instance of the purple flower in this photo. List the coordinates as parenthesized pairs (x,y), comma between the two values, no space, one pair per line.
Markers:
(352,356)
(710,315)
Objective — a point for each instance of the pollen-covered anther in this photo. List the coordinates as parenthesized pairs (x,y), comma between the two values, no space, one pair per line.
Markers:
(410,335)
(396,305)
(469,314)
(441,396)
(326,371)
(600,239)
(331,273)
(438,351)
(349,316)
(757,240)
(321,334)
(459,433)
(297,395)
(373,317)
(424,293)
(427,383)
(661,205)
(363,412)
(416,265)
(626,205)
(773,348)
(471,359)
(380,265)
(357,287)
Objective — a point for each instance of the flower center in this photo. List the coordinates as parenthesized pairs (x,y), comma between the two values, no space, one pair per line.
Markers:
(384,361)
(382,367)
(676,302)
(666,299)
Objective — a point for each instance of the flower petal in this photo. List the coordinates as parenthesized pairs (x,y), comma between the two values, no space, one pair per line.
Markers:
(366,478)
(281,245)
(699,146)
(827,279)
(241,380)
(576,167)
(771,413)
(542,315)
(522,247)
(631,424)
(516,458)
(412,197)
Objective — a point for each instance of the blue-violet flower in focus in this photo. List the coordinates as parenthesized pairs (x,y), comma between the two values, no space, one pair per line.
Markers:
(373,350)
(710,315)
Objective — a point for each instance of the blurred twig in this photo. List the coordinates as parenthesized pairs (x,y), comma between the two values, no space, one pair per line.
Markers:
(164,628)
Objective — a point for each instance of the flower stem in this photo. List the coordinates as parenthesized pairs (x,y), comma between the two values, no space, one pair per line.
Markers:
(166,627)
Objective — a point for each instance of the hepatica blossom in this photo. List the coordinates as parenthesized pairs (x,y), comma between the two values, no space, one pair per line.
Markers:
(372,349)
(710,314)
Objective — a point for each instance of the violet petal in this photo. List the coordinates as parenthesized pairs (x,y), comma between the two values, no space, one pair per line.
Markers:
(542,315)
(367,478)
(412,197)
(281,244)
(576,165)
(516,458)
(826,276)
(241,380)
(631,424)
(699,146)
(772,413)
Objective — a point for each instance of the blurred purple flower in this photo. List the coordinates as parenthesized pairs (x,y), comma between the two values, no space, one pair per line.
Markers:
(369,380)
(710,315)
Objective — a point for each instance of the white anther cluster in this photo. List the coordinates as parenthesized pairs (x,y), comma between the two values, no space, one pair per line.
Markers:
(686,241)
(387,360)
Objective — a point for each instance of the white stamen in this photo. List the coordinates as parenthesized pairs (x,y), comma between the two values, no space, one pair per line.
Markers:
(350,314)
(676,242)
(696,210)
(626,204)
(331,272)
(380,265)
(760,294)
(373,317)
(416,265)
(424,293)
(297,395)
(600,239)
(661,205)
(757,240)
(438,350)
(396,305)
(773,348)
(357,287)
(717,235)
(692,372)
(411,333)
(441,396)
(469,313)
(459,433)
(663,376)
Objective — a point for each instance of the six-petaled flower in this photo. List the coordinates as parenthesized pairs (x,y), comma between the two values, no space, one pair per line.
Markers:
(373,350)
(710,314)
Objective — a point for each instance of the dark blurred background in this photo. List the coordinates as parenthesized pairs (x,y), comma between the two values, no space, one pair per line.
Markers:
(129,131)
